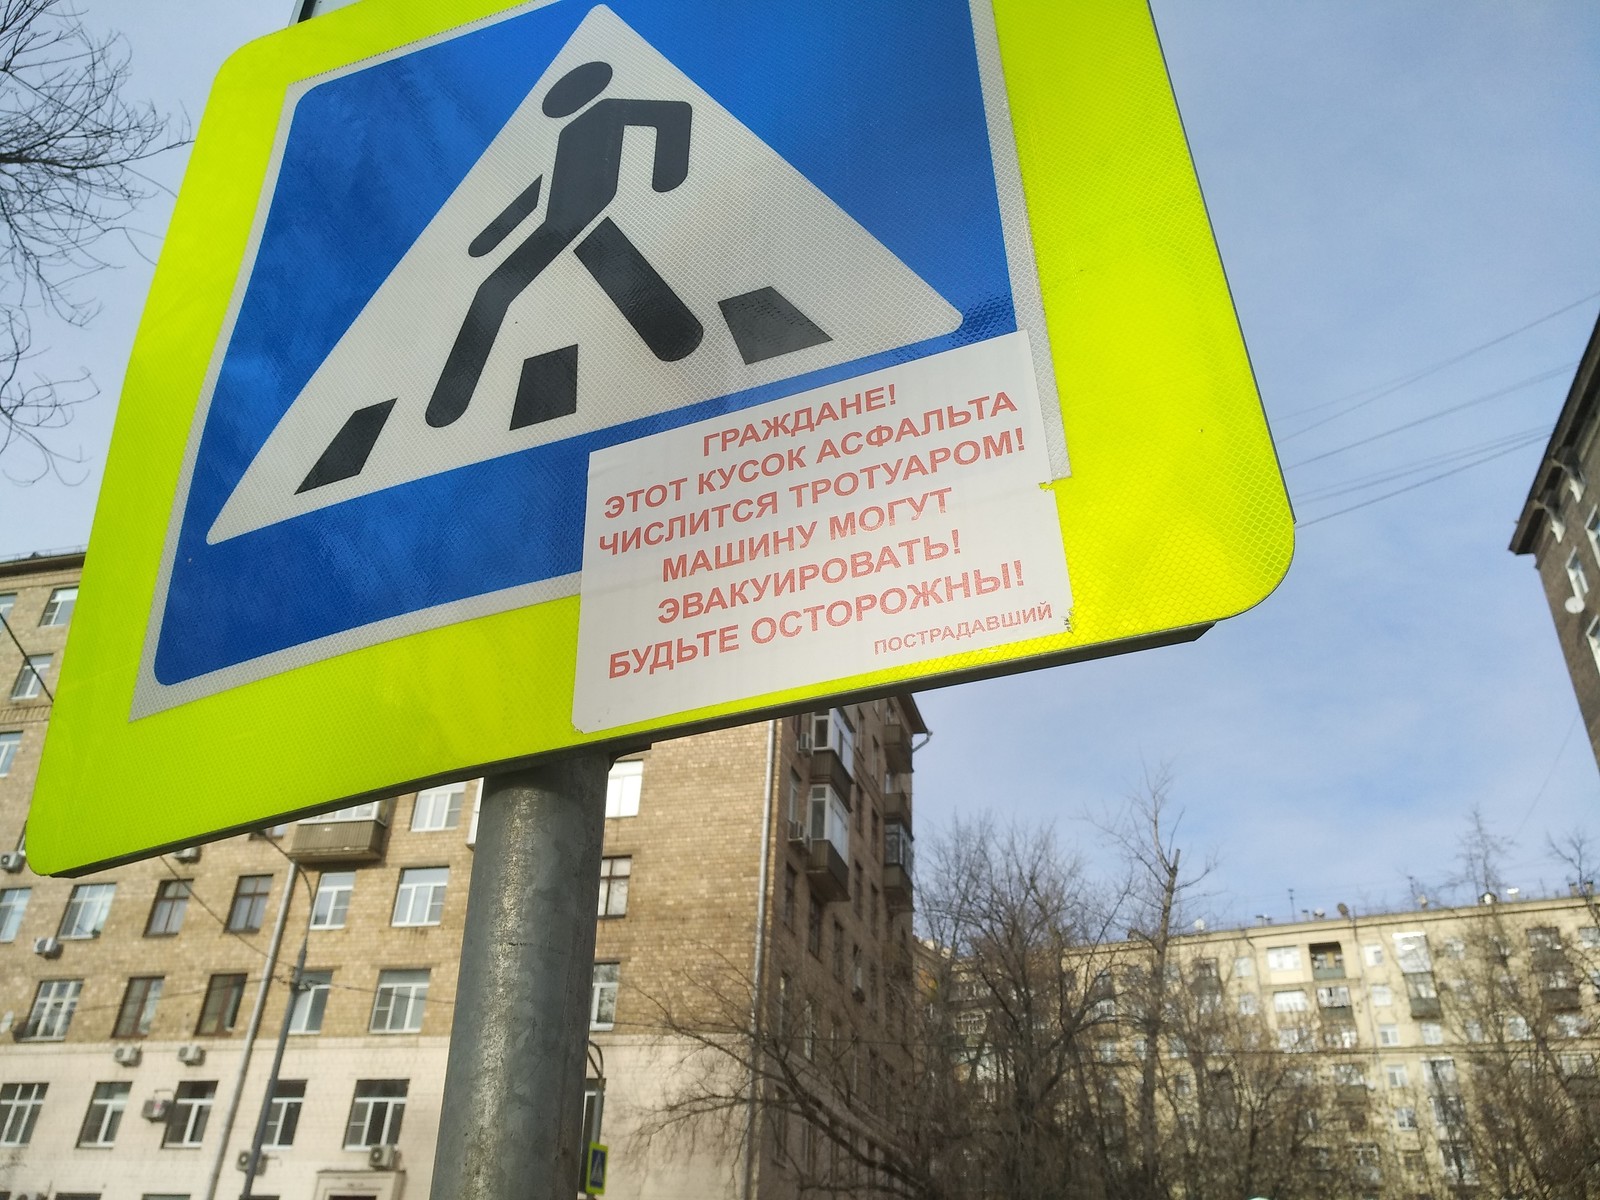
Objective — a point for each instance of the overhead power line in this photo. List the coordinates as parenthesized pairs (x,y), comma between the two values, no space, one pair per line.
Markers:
(1414,486)
(1394,385)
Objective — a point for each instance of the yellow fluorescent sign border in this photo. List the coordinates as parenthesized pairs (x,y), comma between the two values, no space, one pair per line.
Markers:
(1175,515)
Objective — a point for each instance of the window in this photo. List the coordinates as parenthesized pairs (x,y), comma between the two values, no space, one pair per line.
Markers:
(1440,1072)
(87,910)
(838,950)
(58,609)
(220,1012)
(1570,1025)
(622,789)
(603,995)
(53,1006)
(1381,995)
(1405,1117)
(829,819)
(1372,954)
(1454,948)
(138,1007)
(106,1107)
(30,680)
(1589,937)
(283,1114)
(1388,1035)
(13,904)
(1576,576)
(1244,966)
(814,927)
(1411,952)
(1283,958)
(1432,1033)
(1517,1029)
(7,600)
(1289,1002)
(1248,1005)
(397,1008)
(191,1109)
(1333,997)
(614,876)
(8,751)
(375,1113)
(872,913)
(791,879)
(897,846)
(310,1002)
(420,898)
(334,889)
(1395,1073)
(832,730)
(249,903)
(166,914)
(438,808)
(1591,634)
(356,812)
(19,1111)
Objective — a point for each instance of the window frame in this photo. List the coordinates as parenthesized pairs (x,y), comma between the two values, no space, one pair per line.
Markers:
(424,886)
(309,1007)
(13,912)
(444,806)
(29,684)
(10,745)
(19,1114)
(111,1099)
(137,1012)
(219,1011)
(191,1108)
(54,1011)
(616,870)
(339,896)
(624,785)
(87,911)
(367,1097)
(284,1109)
(169,909)
(52,616)
(1289,956)
(605,981)
(402,991)
(247,912)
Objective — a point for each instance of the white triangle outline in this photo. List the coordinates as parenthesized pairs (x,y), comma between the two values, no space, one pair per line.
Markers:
(743,219)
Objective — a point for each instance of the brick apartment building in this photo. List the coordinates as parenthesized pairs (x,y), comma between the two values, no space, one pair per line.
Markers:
(1560,526)
(130,995)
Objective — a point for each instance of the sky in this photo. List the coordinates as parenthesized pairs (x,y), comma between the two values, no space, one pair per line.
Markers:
(1393,186)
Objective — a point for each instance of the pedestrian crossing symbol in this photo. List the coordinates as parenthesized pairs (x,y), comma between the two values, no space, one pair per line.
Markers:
(517,377)
(556,228)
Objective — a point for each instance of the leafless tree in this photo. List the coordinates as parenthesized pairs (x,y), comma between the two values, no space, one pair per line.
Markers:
(71,146)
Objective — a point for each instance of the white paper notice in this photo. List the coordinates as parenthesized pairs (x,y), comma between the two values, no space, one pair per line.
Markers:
(875,523)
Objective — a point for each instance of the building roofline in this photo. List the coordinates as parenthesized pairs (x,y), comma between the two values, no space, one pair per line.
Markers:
(913,714)
(36,561)
(1582,399)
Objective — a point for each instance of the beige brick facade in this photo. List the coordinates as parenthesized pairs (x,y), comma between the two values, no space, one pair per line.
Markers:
(696,857)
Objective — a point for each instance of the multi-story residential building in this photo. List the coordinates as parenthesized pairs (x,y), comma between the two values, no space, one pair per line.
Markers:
(1429,1032)
(143,1002)
(1560,526)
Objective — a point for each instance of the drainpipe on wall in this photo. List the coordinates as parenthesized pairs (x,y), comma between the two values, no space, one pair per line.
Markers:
(251,1031)
(760,960)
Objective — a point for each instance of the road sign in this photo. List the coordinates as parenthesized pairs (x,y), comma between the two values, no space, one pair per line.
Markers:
(516,378)
(594,1175)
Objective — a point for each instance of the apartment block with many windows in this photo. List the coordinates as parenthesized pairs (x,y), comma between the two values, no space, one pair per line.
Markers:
(130,995)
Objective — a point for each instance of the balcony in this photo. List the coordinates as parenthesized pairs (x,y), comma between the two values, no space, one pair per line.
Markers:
(826,872)
(1561,999)
(897,803)
(897,745)
(1425,1008)
(897,887)
(342,841)
(827,767)
(1327,961)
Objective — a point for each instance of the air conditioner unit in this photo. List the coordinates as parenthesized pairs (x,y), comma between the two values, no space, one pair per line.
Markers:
(47,947)
(191,1054)
(243,1162)
(157,1109)
(803,743)
(797,831)
(188,854)
(13,861)
(383,1158)
(128,1056)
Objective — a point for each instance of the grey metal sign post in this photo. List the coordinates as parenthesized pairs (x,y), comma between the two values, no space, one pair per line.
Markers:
(511,1121)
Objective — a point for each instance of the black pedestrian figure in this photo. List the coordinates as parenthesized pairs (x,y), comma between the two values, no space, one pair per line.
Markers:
(583,181)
